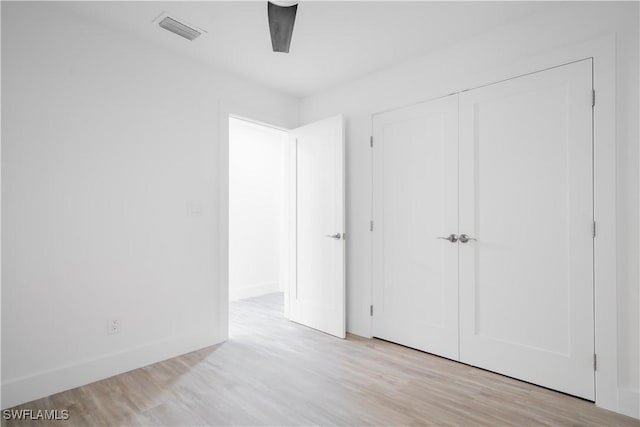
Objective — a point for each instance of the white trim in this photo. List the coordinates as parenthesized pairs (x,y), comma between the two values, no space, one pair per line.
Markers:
(602,50)
(45,383)
(258,123)
(290,258)
(605,256)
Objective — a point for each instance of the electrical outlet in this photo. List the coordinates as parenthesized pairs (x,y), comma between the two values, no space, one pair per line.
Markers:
(113,326)
(194,208)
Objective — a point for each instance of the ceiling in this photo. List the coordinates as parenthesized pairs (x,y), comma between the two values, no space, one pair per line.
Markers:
(333,42)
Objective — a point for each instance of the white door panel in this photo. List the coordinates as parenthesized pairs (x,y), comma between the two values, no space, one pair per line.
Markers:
(415,202)
(526,195)
(318,295)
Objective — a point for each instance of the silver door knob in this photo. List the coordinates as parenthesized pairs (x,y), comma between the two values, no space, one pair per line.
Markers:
(335,236)
(464,238)
(452,238)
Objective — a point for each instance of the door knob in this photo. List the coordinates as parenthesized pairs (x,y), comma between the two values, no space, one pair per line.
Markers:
(335,236)
(464,238)
(452,238)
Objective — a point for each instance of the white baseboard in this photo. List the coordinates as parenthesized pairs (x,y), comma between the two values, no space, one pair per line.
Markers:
(42,384)
(252,291)
(629,402)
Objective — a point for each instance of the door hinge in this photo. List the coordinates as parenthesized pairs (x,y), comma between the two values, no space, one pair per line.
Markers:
(371,310)
(371,225)
(371,141)
(594,229)
(595,362)
(593,98)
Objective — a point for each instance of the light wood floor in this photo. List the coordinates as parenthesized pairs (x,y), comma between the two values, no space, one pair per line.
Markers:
(274,372)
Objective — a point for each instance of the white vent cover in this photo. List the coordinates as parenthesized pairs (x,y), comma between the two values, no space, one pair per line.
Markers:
(179,28)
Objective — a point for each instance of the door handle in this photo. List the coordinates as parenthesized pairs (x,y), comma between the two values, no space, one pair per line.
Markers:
(464,238)
(335,236)
(452,238)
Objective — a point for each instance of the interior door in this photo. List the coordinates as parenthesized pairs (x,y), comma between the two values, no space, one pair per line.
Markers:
(415,209)
(317,299)
(526,203)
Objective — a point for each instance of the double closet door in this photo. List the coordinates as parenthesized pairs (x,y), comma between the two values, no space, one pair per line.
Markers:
(483,228)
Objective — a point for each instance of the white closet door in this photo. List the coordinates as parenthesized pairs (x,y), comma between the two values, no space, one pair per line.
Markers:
(415,274)
(526,195)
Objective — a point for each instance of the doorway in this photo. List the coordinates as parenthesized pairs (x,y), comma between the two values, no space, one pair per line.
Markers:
(286,220)
(258,217)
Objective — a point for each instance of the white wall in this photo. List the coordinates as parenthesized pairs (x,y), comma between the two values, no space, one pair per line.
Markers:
(110,148)
(110,192)
(256,185)
(472,63)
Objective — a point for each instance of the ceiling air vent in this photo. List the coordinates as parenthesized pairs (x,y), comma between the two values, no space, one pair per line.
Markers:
(179,28)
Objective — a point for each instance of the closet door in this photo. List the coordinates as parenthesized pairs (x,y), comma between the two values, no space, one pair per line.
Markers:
(526,200)
(415,206)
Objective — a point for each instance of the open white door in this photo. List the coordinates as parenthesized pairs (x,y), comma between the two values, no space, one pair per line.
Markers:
(317,295)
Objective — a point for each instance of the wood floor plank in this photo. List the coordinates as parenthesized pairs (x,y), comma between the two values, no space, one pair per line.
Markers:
(274,372)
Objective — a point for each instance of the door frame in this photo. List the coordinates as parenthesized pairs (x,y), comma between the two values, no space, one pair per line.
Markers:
(602,51)
(225,111)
